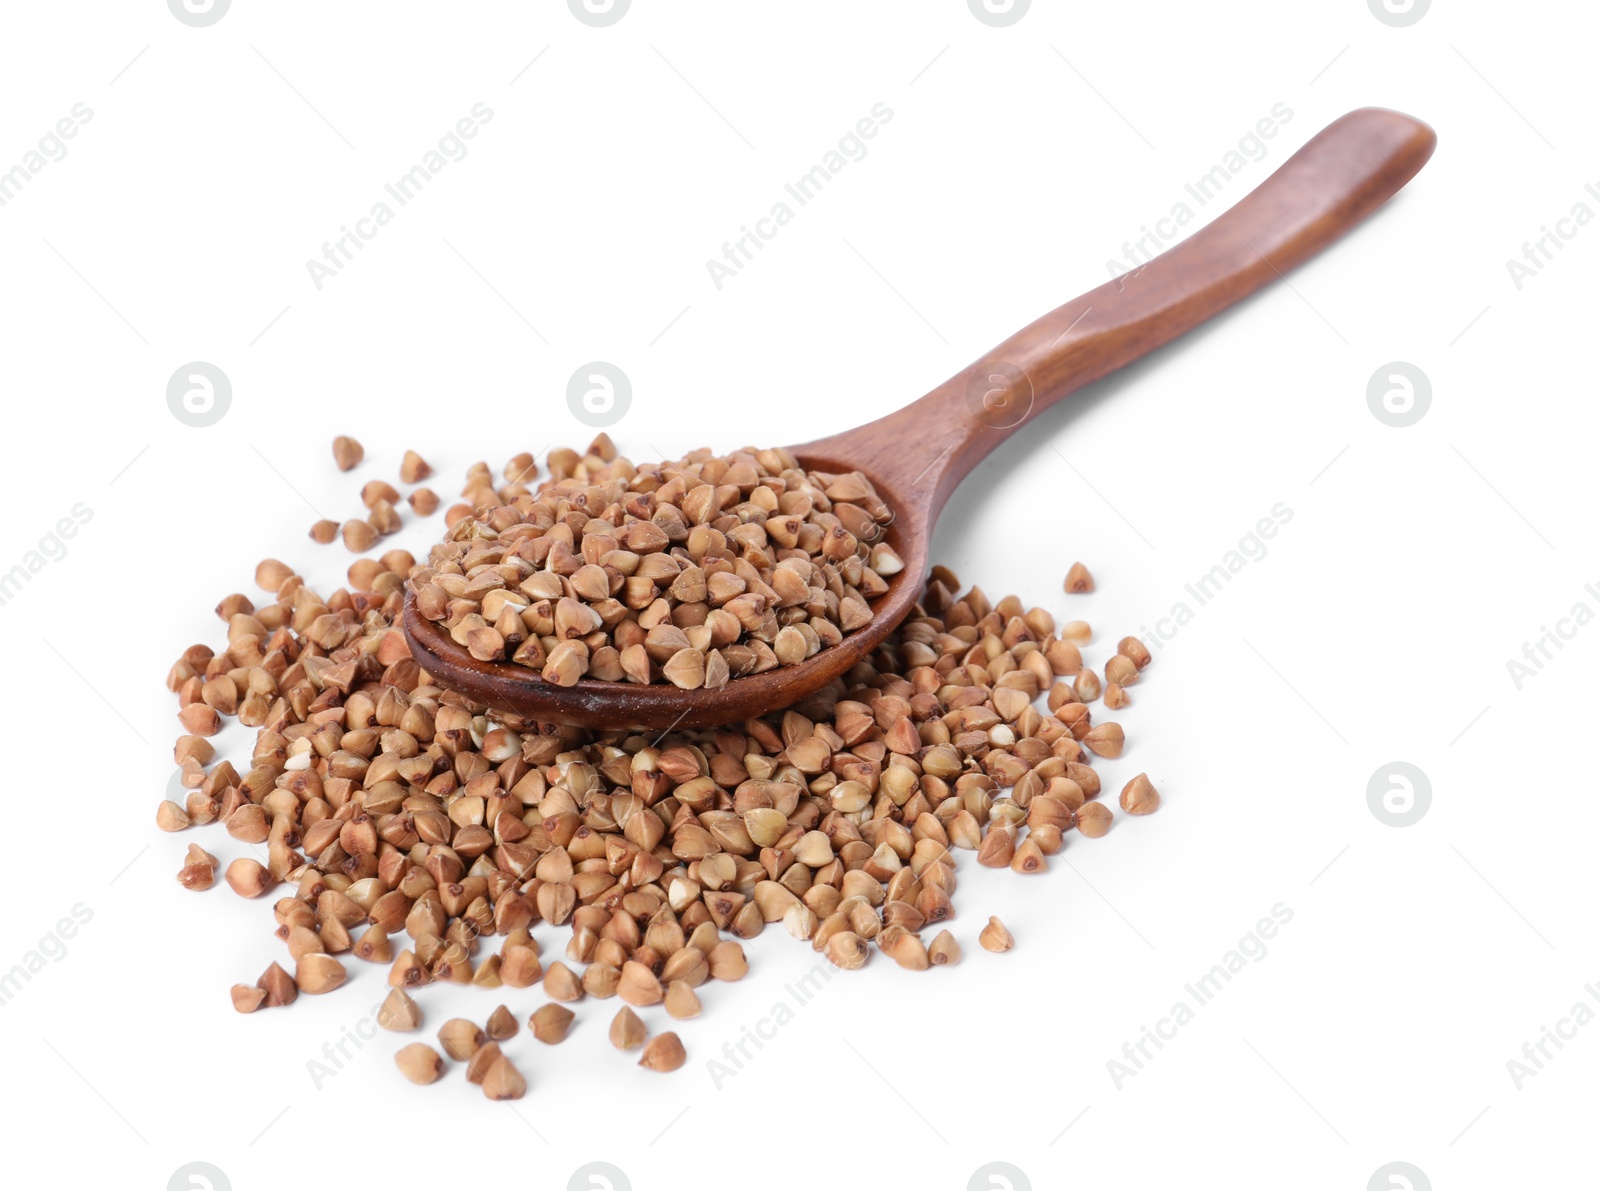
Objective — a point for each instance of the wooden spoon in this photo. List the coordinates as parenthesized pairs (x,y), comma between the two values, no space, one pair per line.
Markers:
(917,455)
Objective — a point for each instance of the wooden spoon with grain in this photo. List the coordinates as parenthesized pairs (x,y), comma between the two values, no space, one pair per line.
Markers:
(917,455)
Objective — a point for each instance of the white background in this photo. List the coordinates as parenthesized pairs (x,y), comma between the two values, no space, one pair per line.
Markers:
(1378,626)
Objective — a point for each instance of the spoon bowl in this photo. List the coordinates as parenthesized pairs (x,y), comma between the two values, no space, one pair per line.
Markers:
(521,691)
(916,456)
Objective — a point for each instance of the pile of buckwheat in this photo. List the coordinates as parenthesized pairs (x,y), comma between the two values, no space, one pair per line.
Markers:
(388,806)
(693,572)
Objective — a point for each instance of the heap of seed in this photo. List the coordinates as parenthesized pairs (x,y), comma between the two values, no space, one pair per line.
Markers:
(390,806)
(693,572)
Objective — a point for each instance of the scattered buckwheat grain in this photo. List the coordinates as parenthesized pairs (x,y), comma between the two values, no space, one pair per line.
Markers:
(384,804)
(347,452)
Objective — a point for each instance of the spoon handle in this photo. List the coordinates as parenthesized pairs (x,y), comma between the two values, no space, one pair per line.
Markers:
(1335,181)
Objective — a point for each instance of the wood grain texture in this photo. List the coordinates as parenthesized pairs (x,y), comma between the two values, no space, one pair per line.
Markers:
(917,455)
